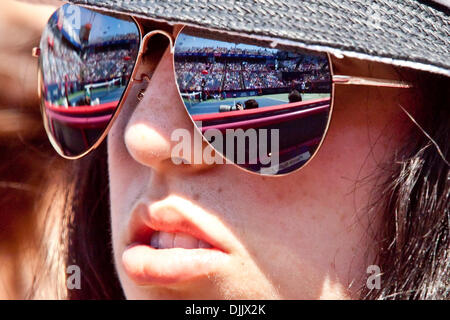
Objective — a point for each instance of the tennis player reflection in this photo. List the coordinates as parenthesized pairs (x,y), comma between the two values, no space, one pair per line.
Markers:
(94,64)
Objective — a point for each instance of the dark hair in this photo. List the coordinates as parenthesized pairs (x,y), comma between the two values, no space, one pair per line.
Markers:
(89,245)
(30,171)
(251,104)
(412,242)
(413,239)
(294,96)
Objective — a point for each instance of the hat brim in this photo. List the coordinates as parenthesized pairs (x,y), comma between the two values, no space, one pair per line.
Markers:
(404,33)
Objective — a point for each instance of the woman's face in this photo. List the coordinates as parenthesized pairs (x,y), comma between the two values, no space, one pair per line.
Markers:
(301,236)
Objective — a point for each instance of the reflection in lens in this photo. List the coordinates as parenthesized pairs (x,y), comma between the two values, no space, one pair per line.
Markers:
(86,61)
(271,104)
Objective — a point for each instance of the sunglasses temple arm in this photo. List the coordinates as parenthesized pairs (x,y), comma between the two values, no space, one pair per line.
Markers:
(362,81)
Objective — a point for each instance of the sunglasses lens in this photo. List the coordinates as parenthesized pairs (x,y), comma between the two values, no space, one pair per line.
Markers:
(265,108)
(86,62)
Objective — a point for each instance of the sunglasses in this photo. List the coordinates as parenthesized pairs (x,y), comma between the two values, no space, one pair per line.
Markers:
(270,101)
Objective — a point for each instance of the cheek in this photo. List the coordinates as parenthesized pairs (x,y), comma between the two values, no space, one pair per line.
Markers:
(313,224)
(291,229)
(124,180)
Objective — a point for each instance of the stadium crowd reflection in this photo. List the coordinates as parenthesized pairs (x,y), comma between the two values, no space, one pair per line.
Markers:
(230,86)
(92,63)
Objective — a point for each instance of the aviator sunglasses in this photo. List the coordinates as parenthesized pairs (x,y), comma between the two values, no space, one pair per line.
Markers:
(271,102)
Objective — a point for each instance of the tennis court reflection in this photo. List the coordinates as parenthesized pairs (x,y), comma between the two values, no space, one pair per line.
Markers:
(234,87)
(92,64)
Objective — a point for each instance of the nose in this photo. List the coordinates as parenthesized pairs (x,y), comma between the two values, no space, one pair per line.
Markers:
(160,116)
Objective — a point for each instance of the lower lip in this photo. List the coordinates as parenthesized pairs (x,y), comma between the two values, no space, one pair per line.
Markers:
(149,266)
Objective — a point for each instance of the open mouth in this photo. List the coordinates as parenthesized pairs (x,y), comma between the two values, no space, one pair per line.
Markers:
(172,242)
(167,240)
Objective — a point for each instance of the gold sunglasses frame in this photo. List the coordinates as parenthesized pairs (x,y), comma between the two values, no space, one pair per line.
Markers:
(143,40)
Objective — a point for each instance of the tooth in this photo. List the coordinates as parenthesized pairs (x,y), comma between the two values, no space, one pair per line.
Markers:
(203,244)
(165,240)
(183,240)
(154,241)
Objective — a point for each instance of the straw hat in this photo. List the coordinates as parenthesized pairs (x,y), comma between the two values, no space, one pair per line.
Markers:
(407,33)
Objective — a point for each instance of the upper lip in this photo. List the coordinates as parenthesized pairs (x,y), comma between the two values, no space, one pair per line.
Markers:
(173,215)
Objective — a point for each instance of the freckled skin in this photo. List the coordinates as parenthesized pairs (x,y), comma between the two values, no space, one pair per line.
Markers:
(301,236)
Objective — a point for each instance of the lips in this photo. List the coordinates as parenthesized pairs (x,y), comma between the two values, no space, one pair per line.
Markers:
(166,240)
(174,241)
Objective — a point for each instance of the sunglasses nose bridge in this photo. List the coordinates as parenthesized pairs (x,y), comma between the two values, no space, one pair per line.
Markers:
(150,52)
(151,34)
